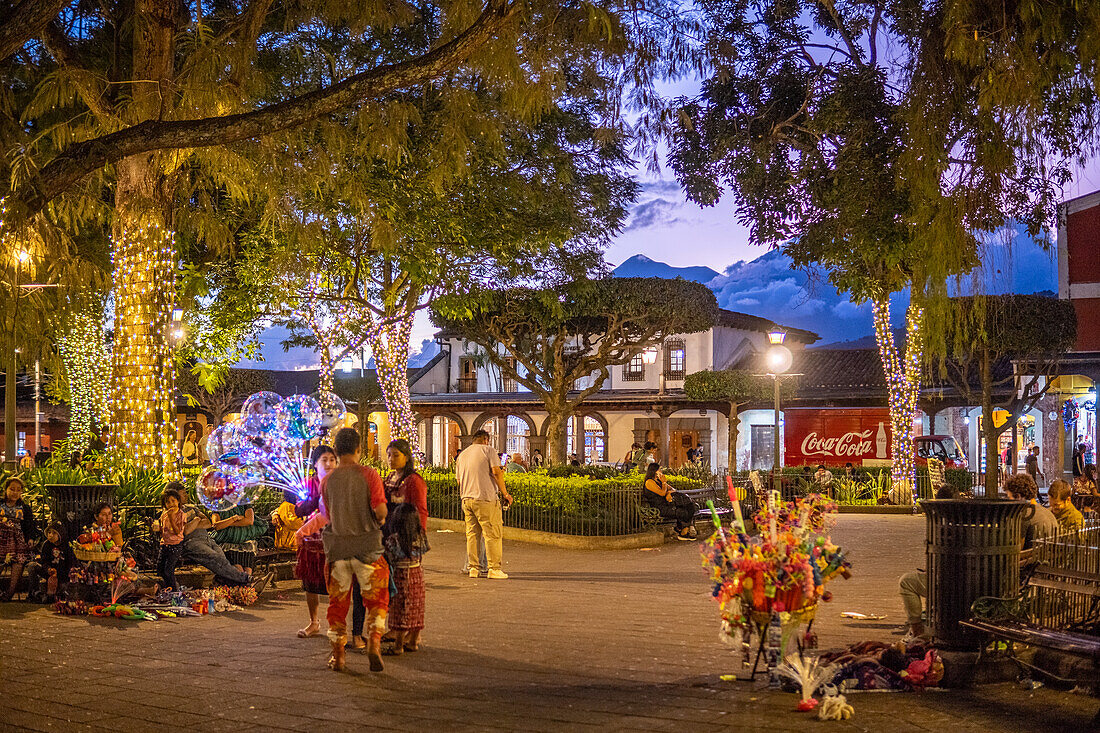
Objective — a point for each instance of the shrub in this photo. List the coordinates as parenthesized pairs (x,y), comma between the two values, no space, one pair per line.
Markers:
(567,505)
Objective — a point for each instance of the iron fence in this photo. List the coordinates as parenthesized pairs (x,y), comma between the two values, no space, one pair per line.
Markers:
(1078,553)
(562,506)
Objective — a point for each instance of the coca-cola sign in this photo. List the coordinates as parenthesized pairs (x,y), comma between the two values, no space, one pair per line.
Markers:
(836,436)
(849,445)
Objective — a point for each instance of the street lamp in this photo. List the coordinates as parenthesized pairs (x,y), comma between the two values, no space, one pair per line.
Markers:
(779,360)
(649,356)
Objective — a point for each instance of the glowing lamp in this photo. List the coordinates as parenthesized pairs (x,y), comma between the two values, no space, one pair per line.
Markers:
(22,255)
(777,336)
(649,356)
(779,359)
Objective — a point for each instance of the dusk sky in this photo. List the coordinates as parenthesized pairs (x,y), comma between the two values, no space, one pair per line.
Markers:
(667,228)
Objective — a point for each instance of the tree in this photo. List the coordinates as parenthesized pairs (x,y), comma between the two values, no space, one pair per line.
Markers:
(121,101)
(228,394)
(1002,107)
(1008,344)
(82,374)
(565,339)
(532,202)
(737,388)
(801,120)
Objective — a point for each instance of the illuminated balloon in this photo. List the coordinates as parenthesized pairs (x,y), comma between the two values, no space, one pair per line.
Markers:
(333,410)
(217,490)
(261,403)
(223,443)
(298,418)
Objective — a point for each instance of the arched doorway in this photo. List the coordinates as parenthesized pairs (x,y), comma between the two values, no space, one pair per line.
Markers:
(508,433)
(592,447)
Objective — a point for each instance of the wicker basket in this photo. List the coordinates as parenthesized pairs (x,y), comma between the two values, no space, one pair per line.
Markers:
(96,556)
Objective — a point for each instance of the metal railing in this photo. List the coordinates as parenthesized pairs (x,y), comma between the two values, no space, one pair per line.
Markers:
(1077,552)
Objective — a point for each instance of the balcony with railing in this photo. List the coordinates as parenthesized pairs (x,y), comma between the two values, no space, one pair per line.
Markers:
(467,385)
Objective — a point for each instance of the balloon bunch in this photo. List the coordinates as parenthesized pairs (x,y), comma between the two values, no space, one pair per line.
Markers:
(265,447)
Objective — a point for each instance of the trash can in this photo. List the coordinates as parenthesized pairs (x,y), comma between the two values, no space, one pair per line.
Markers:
(973,550)
(73,503)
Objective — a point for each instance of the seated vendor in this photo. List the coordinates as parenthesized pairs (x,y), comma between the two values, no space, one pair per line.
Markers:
(286,522)
(236,531)
(199,548)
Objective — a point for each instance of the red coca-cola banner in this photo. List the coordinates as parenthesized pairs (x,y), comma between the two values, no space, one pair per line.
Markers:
(836,436)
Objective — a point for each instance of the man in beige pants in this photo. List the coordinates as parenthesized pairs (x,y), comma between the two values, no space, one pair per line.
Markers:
(479,479)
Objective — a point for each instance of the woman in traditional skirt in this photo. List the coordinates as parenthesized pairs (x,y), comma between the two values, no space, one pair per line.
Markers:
(18,530)
(405,540)
(310,568)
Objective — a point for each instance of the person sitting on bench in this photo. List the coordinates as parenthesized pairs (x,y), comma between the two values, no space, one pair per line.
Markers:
(669,502)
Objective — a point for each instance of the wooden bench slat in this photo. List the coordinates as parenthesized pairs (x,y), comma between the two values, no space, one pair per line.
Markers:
(1063,641)
(1066,586)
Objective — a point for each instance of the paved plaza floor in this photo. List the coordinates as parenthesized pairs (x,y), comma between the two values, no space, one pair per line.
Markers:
(575,640)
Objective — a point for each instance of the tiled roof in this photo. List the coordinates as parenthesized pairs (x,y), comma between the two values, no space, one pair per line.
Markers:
(746,322)
(726,318)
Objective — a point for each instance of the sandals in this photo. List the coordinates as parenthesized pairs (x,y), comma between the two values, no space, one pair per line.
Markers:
(307,634)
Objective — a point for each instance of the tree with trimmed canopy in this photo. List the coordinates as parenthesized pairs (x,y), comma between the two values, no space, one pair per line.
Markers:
(564,340)
(737,388)
(1006,344)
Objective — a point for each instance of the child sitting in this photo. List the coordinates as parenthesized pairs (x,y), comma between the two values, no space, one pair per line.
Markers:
(170,525)
(1069,518)
(55,559)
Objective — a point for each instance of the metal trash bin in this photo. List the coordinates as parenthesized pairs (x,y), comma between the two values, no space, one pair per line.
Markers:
(973,550)
(72,504)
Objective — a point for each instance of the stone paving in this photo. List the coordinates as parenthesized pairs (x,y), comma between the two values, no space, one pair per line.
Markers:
(575,640)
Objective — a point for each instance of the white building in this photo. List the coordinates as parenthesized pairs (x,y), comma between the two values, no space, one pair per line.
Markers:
(458,393)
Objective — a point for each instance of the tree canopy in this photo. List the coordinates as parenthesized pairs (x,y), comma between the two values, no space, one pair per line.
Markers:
(1008,345)
(564,340)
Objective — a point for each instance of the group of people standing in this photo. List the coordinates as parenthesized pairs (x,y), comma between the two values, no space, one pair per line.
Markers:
(360,542)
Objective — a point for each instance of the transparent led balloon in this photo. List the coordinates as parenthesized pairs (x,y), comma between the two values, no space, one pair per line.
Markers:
(333,410)
(261,403)
(217,490)
(298,418)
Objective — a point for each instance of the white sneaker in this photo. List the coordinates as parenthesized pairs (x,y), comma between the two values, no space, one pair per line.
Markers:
(497,575)
(474,573)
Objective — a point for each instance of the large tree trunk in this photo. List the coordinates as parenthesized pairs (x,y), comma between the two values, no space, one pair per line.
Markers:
(902,381)
(556,420)
(731,442)
(391,358)
(144,253)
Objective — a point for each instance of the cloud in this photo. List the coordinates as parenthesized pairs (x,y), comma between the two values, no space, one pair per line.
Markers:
(656,212)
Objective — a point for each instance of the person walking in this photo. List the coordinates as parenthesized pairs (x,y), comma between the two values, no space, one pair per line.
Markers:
(480,478)
(355,504)
(1032,465)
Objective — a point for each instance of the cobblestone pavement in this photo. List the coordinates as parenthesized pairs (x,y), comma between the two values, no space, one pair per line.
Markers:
(575,640)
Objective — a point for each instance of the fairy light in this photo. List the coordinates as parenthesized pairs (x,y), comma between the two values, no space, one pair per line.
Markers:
(87,364)
(143,374)
(390,345)
(329,323)
(902,383)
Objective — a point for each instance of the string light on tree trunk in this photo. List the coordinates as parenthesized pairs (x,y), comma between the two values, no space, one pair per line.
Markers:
(902,383)
(143,375)
(87,362)
(390,346)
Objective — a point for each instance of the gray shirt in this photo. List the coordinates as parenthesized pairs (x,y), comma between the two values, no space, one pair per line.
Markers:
(1041,524)
(353,531)
(474,471)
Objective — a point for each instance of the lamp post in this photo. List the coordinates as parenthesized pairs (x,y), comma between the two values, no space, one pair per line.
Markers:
(10,427)
(779,361)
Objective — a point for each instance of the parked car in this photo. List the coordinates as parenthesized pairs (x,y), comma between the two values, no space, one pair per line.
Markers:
(943,447)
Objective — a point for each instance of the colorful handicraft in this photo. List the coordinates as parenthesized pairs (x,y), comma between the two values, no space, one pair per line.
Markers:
(783,570)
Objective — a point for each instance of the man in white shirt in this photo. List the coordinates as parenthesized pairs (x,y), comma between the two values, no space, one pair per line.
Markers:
(480,478)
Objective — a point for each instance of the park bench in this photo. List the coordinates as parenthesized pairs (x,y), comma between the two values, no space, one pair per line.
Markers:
(1059,610)
(715,494)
